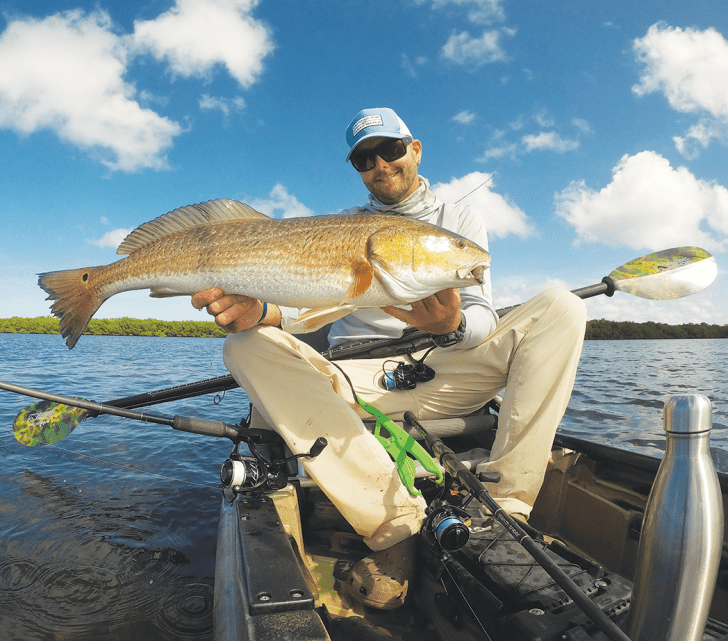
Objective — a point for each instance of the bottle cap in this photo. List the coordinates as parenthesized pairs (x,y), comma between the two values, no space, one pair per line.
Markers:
(688,414)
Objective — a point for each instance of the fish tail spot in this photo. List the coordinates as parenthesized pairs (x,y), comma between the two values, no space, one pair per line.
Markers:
(76,297)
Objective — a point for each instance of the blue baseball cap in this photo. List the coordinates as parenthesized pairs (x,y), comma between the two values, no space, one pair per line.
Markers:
(370,123)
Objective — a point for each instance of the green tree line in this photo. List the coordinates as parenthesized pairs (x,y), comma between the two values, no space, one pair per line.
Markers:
(595,329)
(626,330)
(115,327)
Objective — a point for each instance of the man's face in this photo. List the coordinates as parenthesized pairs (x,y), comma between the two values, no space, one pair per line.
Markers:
(392,182)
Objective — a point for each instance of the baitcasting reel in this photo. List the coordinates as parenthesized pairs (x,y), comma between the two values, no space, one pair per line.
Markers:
(406,375)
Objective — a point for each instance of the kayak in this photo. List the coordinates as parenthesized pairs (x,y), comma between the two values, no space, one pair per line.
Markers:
(284,551)
(283,555)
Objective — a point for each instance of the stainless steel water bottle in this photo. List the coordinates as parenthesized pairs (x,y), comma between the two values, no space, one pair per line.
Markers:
(682,532)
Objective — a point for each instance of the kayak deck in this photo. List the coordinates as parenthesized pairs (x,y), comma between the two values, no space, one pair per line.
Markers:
(595,501)
(589,510)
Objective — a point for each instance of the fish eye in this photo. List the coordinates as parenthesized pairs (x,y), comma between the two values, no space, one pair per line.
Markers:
(460,243)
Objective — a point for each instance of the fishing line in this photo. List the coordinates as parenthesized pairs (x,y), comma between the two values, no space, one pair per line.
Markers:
(129,467)
(478,187)
(348,380)
(464,598)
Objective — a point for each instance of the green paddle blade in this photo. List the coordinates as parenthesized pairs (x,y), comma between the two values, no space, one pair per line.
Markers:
(44,422)
(667,274)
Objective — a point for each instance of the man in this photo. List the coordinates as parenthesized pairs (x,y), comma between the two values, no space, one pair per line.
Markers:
(534,350)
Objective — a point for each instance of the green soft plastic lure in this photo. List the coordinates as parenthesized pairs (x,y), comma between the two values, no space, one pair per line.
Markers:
(398,445)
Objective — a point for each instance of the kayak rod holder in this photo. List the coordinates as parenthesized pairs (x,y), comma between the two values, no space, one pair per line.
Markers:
(682,533)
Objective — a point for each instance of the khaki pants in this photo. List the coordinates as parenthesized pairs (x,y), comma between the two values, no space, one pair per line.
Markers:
(535,351)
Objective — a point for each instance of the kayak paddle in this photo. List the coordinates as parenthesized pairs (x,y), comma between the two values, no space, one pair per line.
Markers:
(664,275)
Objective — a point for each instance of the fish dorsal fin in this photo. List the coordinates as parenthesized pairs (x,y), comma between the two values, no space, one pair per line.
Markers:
(212,211)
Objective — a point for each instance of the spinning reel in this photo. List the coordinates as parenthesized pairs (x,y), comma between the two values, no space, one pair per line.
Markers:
(256,474)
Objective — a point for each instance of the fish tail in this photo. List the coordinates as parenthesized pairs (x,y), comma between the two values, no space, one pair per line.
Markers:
(77,297)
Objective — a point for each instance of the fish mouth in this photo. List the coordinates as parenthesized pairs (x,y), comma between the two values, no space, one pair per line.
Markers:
(473,272)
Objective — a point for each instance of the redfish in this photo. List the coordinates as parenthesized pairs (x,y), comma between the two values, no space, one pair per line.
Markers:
(331,265)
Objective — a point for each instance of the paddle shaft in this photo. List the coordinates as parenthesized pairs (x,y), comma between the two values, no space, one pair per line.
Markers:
(176,393)
(411,341)
(605,287)
(456,468)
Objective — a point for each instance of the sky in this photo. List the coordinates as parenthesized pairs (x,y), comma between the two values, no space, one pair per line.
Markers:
(592,133)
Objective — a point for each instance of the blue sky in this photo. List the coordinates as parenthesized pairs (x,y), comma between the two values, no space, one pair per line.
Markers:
(603,128)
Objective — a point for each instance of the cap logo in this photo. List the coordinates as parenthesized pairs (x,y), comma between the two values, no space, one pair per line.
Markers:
(367,121)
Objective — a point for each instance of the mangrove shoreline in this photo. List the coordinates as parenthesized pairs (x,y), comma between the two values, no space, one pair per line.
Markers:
(595,329)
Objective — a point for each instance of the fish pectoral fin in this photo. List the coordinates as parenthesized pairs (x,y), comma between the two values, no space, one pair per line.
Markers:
(165,292)
(315,319)
(363,275)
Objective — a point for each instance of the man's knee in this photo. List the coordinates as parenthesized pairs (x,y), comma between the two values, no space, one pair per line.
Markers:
(240,348)
(234,344)
(566,304)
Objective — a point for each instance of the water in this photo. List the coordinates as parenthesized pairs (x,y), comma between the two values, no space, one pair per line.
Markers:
(622,386)
(111,534)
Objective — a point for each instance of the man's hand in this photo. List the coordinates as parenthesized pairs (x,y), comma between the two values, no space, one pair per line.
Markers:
(232,312)
(437,314)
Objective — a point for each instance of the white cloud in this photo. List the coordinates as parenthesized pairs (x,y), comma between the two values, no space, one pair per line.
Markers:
(502,216)
(226,105)
(509,150)
(582,125)
(410,66)
(544,120)
(111,238)
(464,49)
(478,11)
(707,306)
(649,205)
(689,67)
(500,146)
(194,37)
(544,141)
(549,141)
(699,136)
(66,73)
(464,117)
(280,204)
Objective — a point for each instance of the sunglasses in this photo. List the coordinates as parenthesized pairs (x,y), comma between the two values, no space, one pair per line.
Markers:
(388,151)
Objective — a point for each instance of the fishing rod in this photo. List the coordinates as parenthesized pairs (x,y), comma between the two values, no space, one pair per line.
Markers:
(40,425)
(665,275)
(474,486)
